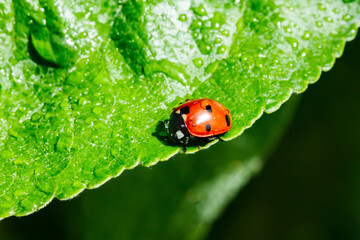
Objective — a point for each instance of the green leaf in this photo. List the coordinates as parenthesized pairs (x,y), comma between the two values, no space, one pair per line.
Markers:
(85,85)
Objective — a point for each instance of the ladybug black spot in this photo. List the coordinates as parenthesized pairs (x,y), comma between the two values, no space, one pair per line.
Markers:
(208,108)
(208,127)
(185,110)
(227,117)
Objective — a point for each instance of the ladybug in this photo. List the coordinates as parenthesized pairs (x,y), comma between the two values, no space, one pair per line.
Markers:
(201,119)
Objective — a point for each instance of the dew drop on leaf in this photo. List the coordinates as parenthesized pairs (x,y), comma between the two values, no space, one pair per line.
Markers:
(198,62)
(35,117)
(321,7)
(328,19)
(200,10)
(204,48)
(225,32)
(319,23)
(347,17)
(221,49)
(183,17)
(64,143)
(306,35)
(78,185)
(114,151)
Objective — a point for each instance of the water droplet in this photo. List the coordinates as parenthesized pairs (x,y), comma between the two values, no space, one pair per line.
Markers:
(287,29)
(196,24)
(321,7)
(78,185)
(216,26)
(36,116)
(211,67)
(14,134)
(303,52)
(200,10)
(204,48)
(336,10)
(45,187)
(319,23)
(28,204)
(218,40)
(328,19)
(83,34)
(347,17)
(306,35)
(114,151)
(195,35)
(225,32)
(221,49)
(352,33)
(64,143)
(217,20)
(82,101)
(21,160)
(183,18)
(293,42)
(198,62)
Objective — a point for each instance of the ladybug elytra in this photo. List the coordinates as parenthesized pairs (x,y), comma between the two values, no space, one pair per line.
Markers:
(204,119)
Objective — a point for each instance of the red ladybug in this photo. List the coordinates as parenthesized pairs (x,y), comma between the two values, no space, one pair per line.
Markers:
(201,119)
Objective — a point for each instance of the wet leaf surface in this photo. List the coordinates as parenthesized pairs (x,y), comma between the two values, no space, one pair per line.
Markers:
(84,85)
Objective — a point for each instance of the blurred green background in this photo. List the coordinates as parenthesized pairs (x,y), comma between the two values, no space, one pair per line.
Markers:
(309,187)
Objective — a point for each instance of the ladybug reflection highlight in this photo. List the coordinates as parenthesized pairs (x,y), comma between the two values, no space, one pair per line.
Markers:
(198,120)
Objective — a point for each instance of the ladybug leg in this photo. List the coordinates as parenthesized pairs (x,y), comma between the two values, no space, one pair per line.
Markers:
(185,143)
(221,140)
(184,148)
(197,146)
(187,100)
(166,124)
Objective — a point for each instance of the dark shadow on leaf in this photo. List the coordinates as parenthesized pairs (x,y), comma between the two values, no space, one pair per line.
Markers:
(37,58)
(161,134)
